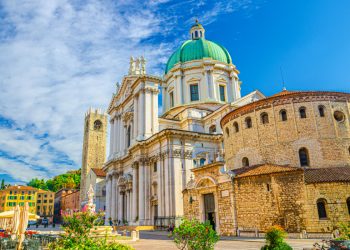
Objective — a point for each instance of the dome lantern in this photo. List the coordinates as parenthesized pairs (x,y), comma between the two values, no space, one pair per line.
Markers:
(197,31)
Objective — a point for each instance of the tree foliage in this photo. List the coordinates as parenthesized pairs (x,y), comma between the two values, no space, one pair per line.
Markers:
(3,185)
(77,231)
(275,239)
(71,180)
(191,234)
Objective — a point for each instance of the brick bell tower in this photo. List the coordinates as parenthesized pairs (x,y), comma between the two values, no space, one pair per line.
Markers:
(94,146)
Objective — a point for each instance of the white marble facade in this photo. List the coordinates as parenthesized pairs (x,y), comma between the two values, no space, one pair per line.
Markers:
(151,155)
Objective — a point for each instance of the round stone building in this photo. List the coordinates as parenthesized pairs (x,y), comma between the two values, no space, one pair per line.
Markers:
(308,129)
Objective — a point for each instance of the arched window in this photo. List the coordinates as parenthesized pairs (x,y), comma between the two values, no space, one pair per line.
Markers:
(97,125)
(227,131)
(264,118)
(196,34)
(348,204)
(236,127)
(283,114)
(194,163)
(304,157)
(245,162)
(321,208)
(212,129)
(349,150)
(201,33)
(302,112)
(321,110)
(248,122)
(129,135)
(202,161)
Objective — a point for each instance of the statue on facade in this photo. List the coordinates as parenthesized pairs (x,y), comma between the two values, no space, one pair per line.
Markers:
(90,205)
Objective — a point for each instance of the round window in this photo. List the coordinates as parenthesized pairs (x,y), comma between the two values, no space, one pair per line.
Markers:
(339,116)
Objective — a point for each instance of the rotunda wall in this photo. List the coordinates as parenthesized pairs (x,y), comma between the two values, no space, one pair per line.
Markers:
(278,139)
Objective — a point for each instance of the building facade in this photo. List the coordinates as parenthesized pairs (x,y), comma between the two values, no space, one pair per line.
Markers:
(287,162)
(45,204)
(66,201)
(18,195)
(94,147)
(151,155)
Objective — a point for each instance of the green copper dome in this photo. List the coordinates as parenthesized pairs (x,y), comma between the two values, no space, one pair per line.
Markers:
(198,49)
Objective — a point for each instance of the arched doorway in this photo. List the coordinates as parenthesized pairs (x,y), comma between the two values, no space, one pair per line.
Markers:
(209,209)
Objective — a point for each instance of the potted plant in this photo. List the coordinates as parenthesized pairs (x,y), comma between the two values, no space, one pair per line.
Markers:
(344,237)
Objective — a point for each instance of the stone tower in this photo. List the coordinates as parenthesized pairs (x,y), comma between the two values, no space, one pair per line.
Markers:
(94,146)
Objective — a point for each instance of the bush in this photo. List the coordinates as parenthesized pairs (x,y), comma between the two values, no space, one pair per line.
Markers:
(275,239)
(344,231)
(191,234)
(77,229)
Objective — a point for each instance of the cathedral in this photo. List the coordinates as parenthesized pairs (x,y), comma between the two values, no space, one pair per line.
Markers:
(151,154)
(243,163)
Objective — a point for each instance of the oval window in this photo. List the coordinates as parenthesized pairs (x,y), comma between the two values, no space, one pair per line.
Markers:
(339,116)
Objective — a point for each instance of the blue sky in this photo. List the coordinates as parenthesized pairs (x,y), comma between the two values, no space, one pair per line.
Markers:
(59,57)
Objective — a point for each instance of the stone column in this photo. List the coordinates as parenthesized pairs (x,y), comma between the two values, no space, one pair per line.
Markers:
(148,113)
(164,107)
(147,192)
(136,113)
(141,194)
(108,192)
(155,122)
(120,205)
(166,187)
(235,85)
(114,196)
(116,147)
(134,191)
(126,216)
(122,138)
(111,139)
(142,109)
(159,188)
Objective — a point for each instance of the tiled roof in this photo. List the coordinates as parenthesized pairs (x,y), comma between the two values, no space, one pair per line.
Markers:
(99,172)
(335,174)
(263,169)
(19,187)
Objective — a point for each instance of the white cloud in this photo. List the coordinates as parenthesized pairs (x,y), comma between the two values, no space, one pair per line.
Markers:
(60,57)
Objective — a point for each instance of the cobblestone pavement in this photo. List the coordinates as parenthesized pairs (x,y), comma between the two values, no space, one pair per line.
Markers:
(159,240)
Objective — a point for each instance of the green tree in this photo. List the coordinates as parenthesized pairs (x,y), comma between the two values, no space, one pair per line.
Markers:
(191,234)
(2,184)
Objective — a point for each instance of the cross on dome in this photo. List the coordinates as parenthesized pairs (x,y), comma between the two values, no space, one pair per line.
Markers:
(197,31)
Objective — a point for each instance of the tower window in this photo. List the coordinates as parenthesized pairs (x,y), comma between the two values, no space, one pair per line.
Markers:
(264,118)
(155,166)
(196,33)
(283,114)
(248,122)
(245,162)
(222,93)
(302,112)
(321,110)
(236,127)
(227,131)
(304,157)
(97,125)
(202,161)
(348,204)
(171,94)
(321,209)
(212,129)
(194,92)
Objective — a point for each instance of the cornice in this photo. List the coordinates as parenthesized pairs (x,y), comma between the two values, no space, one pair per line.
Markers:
(286,97)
